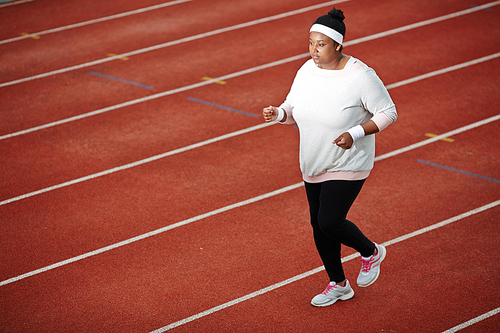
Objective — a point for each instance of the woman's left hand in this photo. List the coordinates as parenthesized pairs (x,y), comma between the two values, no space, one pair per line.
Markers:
(270,113)
(344,141)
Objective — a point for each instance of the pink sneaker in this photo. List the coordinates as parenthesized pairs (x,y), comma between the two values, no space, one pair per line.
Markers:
(370,267)
(333,293)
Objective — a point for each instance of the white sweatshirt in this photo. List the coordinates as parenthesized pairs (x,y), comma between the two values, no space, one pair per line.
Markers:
(327,103)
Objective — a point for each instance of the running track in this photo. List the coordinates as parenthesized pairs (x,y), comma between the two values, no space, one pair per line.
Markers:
(141,191)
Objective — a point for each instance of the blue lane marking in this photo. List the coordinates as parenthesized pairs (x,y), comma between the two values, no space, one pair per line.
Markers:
(461,171)
(222,107)
(486,8)
(121,80)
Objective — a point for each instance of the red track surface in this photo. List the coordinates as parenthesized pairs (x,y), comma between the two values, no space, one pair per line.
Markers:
(429,283)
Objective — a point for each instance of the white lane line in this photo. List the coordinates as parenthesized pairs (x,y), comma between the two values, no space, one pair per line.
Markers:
(102,19)
(179,41)
(319,269)
(473,321)
(251,23)
(247,130)
(14,3)
(182,223)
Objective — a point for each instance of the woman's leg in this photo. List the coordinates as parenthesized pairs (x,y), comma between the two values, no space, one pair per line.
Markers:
(328,248)
(337,197)
(329,203)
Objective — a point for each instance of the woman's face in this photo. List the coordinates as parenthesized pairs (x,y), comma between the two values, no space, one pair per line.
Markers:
(322,49)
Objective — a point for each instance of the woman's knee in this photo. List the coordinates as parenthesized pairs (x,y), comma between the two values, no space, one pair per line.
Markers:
(332,227)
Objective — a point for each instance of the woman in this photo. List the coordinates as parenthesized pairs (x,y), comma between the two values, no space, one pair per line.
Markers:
(338,103)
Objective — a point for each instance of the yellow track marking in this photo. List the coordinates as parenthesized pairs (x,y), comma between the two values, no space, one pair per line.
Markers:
(32,36)
(114,55)
(206,78)
(430,135)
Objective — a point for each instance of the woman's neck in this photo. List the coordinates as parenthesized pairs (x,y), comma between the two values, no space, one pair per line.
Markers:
(337,64)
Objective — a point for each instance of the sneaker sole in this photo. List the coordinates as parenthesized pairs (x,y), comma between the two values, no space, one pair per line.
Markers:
(384,252)
(332,301)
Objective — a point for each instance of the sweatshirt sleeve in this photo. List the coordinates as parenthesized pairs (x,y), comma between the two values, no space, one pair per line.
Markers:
(377,101)
(287,107)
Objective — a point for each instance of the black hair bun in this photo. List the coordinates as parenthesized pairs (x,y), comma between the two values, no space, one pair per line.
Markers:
(334,19)
(337,14)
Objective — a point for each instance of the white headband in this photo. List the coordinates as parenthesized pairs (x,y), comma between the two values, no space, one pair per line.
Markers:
(333,34)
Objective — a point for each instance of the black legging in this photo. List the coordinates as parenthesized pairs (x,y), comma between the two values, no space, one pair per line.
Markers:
(329,203)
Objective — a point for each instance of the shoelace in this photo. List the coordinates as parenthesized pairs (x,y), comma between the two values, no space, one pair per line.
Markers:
(327,290)
(366,265)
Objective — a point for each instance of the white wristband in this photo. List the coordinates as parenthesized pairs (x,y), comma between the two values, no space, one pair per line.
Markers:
(281,115)
(356,132)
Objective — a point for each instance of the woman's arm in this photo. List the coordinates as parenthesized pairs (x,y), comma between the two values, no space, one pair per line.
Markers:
(376,100)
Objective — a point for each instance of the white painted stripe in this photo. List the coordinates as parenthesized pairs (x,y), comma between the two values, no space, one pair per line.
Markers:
(473,321)
(248,24)
(175,225)
(176,42)
(229,135)
(319,269)
(102,19)
(14,3)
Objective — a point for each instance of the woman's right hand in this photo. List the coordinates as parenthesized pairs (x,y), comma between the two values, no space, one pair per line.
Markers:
(270,113)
